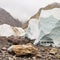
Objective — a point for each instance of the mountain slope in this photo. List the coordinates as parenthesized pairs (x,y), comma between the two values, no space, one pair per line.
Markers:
(6,18)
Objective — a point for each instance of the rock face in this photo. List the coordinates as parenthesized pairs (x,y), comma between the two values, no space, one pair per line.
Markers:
(48,26)
(6,18)
(7,30)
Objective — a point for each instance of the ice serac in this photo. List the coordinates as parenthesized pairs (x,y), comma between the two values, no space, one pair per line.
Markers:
(33,29)
(48,25)
(7,30)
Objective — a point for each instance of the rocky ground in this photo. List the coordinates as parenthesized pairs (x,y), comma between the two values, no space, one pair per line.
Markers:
(45,53)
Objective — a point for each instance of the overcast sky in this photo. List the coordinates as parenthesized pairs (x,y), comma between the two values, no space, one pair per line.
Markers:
(24,9)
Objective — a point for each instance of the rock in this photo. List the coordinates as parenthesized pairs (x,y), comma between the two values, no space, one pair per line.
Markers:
(14,40)
(14,57)
(10,58)
(39,55)
(34,58)
(3,38)
(23,49)
(3,42)
(53,51)
(4,48)
(57,56)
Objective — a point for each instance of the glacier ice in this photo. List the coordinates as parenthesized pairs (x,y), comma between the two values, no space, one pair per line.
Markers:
(46,28)
(7,30)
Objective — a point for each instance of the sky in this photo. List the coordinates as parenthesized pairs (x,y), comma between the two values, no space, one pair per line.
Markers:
(24,9)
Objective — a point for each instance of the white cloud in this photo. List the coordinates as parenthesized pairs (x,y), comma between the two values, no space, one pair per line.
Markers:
(24,9)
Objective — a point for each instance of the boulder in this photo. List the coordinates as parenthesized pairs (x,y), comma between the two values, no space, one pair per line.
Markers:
(23,49)
(53,51)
